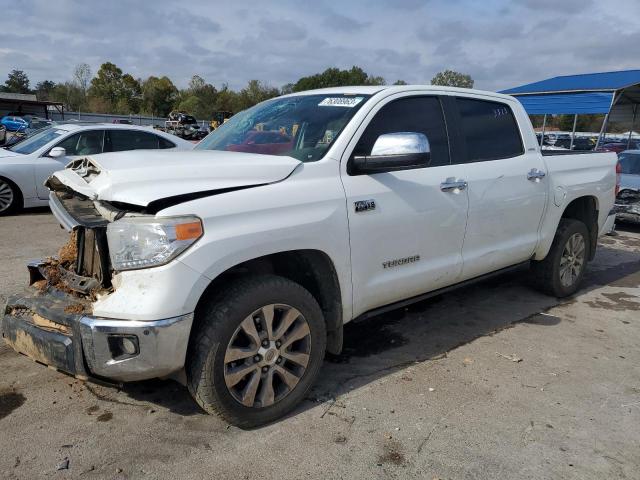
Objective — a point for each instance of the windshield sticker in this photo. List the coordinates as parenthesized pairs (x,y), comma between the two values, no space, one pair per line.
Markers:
(348,102)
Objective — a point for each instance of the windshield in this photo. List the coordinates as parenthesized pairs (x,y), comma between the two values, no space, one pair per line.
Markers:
(303,127)
(630,163)
(36,141)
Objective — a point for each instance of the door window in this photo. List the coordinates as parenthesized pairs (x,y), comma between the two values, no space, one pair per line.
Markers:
(122,140)
(413,114)
(83,143)
(489,129)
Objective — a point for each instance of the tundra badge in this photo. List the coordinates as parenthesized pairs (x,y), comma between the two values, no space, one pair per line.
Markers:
(365,205)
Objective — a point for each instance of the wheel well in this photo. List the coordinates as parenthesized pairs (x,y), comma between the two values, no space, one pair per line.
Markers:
(585,209)
(311,269)
(16,189)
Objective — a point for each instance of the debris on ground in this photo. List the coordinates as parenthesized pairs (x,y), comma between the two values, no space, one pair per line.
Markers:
(63,465)
(513,357)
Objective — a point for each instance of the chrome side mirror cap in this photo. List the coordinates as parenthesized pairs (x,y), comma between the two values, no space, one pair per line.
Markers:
(401,143)
(57,152)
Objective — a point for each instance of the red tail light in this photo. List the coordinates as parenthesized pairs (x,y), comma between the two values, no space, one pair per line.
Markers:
(618,173)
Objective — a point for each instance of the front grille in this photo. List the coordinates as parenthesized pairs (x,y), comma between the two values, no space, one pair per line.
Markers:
(93,255)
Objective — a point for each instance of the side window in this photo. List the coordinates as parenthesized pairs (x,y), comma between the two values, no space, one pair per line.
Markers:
(164,143)
(489,129)
(122,140)
(412,114)
(83,143)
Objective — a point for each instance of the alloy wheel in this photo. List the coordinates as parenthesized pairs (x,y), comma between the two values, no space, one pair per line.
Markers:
(267,356)
(6,196)
(572,260)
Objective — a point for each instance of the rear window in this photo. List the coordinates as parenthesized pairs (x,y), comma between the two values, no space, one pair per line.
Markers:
(489,129)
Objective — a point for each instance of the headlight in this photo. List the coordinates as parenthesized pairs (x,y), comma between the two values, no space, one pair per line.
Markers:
(141,242)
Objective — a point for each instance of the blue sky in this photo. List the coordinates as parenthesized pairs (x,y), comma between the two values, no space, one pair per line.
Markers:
(499,43)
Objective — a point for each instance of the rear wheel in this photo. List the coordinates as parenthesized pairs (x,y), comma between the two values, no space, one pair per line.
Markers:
(561,272)
(257,350)
(10,199)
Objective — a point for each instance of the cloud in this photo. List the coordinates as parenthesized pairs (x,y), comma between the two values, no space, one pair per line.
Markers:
(500,43)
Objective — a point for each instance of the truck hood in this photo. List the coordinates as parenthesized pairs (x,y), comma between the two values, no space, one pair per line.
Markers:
(142,177)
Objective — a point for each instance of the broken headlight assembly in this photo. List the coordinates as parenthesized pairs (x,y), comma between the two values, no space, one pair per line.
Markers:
(142,242)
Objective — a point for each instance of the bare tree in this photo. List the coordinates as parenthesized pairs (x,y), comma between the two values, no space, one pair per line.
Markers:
(82,77)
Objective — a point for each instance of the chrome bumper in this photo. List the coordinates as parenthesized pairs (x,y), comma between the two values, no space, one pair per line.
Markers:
(162,346)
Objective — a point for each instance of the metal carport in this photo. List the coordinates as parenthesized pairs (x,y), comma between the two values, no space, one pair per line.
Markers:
(614,94)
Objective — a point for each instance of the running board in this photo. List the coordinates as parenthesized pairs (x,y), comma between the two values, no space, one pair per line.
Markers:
(434,293)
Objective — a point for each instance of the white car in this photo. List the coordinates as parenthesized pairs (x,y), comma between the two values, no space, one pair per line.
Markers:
(25,166)
(241,263)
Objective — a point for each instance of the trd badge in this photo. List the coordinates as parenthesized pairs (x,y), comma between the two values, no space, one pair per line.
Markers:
(365,205)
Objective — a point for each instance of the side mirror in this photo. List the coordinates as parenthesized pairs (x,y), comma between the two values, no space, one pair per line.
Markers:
(393,152)
(57,152)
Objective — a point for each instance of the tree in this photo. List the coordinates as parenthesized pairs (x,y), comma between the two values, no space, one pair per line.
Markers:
(255,92)
(334,77)
(17,82)
(71,95)
(158,95)
(44,90)
(400,82)
(107,84)
(450,78)
(130,95)
(81,78)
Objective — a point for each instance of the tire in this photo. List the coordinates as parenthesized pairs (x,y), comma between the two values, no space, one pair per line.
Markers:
(224,328)
(10,197)
(548,273)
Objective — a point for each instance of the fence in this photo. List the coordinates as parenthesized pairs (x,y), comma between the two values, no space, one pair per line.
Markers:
(109,118)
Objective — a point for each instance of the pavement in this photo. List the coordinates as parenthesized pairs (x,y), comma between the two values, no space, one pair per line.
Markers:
(491,381)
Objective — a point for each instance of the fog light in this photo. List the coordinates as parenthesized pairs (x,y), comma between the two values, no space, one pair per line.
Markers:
(122,346)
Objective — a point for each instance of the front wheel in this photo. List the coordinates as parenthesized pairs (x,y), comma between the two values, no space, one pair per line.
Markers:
(257,349)
(10,200)
(561,272)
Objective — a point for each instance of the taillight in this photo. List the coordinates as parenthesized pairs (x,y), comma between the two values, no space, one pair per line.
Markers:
(618,173)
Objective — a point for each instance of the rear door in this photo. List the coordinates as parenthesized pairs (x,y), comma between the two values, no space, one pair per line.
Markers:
(406,233)
(507,186)
(120,140)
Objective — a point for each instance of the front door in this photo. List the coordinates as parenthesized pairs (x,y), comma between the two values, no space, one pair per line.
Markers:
(406,229)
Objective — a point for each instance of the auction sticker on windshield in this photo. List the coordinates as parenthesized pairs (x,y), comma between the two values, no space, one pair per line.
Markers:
(348,102)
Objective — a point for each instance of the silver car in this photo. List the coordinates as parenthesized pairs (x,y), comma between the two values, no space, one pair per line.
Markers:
(628,200)
(26,165)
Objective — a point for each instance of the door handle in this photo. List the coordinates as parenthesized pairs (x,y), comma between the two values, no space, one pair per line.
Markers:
(451,185)
(535,175)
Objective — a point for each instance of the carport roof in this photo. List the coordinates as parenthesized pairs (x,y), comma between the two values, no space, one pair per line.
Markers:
(588,82)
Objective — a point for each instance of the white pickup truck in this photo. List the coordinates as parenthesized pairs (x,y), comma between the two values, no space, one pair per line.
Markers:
(238,263)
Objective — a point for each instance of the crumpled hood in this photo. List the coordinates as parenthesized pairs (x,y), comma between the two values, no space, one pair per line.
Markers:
(141,177)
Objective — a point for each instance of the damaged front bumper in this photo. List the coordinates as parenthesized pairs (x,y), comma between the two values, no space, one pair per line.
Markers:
(44,327)
(627,206)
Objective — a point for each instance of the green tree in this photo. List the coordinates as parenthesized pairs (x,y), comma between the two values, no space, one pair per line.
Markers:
(44,90)
(69,94)
(158,95)
(255,92)
(131,94)
(107,84)
(334,77)
(450,78)
(17,82)
(400,82)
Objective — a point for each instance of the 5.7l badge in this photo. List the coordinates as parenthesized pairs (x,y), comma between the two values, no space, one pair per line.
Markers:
(365,205)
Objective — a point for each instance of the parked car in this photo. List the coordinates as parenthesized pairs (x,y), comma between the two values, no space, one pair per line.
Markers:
(26,165)
(619,147)
(241,269)
(628,199)
(14,124)
(579,143)
(123,121)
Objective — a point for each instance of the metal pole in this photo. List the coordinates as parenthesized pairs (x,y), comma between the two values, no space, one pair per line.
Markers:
(603,130)
(544,124)
(573,132)
(633,123)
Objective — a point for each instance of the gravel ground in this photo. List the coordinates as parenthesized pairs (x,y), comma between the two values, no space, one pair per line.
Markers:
(491,381)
